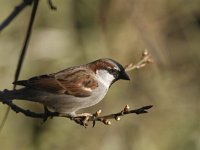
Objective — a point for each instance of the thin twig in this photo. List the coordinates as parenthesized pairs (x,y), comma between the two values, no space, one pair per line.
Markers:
(22,55)
(145,59)
(82,120)
(27,39)
(14,13)
(105,119)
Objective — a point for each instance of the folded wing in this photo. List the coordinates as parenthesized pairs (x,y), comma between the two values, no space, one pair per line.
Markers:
(78,83)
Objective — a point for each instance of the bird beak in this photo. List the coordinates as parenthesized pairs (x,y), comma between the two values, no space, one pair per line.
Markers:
(124,76)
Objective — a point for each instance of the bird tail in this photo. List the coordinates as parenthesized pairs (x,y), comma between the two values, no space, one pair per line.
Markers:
(21,94)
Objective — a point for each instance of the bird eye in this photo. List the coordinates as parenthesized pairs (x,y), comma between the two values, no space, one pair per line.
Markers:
(113,71)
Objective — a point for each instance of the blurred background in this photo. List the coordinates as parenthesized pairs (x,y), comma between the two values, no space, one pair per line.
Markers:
(81,31)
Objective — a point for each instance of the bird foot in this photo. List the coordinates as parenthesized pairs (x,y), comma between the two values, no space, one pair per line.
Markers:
(46,113)
(82,119)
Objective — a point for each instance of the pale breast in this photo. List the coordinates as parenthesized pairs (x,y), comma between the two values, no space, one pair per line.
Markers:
(70,104)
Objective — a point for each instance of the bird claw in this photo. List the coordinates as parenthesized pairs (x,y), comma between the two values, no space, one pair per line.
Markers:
(94,116)
(82,119)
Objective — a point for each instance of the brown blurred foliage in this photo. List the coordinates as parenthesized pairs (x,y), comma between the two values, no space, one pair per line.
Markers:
(81,31)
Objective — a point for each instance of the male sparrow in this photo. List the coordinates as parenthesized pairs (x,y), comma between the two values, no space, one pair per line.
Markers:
(72,89)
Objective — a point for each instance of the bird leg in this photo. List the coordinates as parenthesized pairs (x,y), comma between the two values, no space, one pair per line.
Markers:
(47,113)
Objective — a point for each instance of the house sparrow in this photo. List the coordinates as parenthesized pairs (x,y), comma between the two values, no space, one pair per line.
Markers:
(72,89)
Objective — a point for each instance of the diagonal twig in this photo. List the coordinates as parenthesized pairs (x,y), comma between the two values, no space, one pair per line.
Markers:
(18,9)
(14,13)
(105,119)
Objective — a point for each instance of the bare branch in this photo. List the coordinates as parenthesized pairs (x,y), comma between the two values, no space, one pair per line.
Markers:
(146,59)
(82,120)
(104,119)
(14,13)
(18,10)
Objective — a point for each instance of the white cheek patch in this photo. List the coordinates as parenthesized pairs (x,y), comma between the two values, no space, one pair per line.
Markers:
(105,77)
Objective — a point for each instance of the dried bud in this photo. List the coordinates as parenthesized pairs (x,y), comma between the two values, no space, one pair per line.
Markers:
(108,123)
(117,118)
(97,113)
(145,53)
(126,108)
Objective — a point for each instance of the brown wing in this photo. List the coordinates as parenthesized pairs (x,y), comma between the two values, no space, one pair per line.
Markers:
(78,83)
